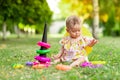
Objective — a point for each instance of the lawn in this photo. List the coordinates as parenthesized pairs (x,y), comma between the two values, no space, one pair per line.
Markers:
(24,49)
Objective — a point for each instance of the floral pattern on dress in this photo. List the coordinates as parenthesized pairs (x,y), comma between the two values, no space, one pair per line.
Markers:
(74,48)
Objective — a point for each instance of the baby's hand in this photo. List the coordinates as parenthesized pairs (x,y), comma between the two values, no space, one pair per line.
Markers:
(92,42)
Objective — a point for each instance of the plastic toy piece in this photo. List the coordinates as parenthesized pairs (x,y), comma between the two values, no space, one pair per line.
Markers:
(17,66)
(63,67)
(42,51)
(44,37)
(98,62)
(42,59)
(39,66)
(35,63)
(29,63)
(86,64)
(95,66)
(46,45)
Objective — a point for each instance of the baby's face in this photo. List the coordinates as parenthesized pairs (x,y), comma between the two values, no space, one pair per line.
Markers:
(74,31)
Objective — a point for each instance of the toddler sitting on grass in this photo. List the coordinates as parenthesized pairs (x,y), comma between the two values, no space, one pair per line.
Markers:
(74,46)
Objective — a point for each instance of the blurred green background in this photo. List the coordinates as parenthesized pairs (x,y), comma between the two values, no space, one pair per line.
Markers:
(21,27)
(21,17)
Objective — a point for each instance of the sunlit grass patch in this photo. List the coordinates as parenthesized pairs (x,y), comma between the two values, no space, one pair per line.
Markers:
(24,49)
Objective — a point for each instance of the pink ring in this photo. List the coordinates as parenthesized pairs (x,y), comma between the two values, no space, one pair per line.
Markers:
(43,44)
(42,59)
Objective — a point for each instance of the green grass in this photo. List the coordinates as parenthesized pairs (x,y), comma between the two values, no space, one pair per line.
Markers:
(24,49)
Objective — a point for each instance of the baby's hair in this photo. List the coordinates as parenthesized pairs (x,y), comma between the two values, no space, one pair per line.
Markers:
(72,21)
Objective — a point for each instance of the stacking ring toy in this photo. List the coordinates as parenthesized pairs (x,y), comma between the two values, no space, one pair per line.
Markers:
(46,45)
(47,64)
(42,59)
(43,51)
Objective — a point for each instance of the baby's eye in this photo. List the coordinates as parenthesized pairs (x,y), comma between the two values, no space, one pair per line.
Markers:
(73,31)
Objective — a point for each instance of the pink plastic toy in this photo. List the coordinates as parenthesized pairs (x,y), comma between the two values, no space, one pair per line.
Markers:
(42,59)
(43,44)
(46,64)
(91,65)
(86,64)
(35,63)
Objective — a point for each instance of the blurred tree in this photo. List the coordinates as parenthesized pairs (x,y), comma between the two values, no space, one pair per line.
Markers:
(82,8)
(109,11)
(76,7)
(109,16)
(95,19)
(24,11)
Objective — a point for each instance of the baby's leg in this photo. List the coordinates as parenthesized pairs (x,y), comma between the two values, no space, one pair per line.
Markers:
(86,59)
(78,61)
(56,61)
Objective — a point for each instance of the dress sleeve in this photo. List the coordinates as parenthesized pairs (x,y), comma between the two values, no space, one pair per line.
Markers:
(87,48)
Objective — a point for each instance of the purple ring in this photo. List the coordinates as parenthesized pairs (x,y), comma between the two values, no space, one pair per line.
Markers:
(29,63)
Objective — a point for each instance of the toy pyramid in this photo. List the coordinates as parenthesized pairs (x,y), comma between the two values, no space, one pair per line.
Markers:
(42,57)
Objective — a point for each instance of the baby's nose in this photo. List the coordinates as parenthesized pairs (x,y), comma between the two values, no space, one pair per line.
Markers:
(77,32)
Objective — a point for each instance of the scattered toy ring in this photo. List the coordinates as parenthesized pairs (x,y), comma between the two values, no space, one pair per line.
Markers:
(17,66)
(95,66)
(46,45)
(86,64)
(29,63)
(63,67)
(98,62)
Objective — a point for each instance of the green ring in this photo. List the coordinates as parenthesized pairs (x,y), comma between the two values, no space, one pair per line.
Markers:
(42,51)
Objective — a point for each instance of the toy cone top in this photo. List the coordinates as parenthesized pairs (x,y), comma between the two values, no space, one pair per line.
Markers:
(44,37)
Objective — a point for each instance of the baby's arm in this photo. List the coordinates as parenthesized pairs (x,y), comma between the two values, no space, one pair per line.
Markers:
(59,57)
(92,42)
(59,54)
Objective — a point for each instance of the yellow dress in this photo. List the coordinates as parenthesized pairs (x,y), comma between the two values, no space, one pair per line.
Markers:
(73,48)
(75,44)
(86,33)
